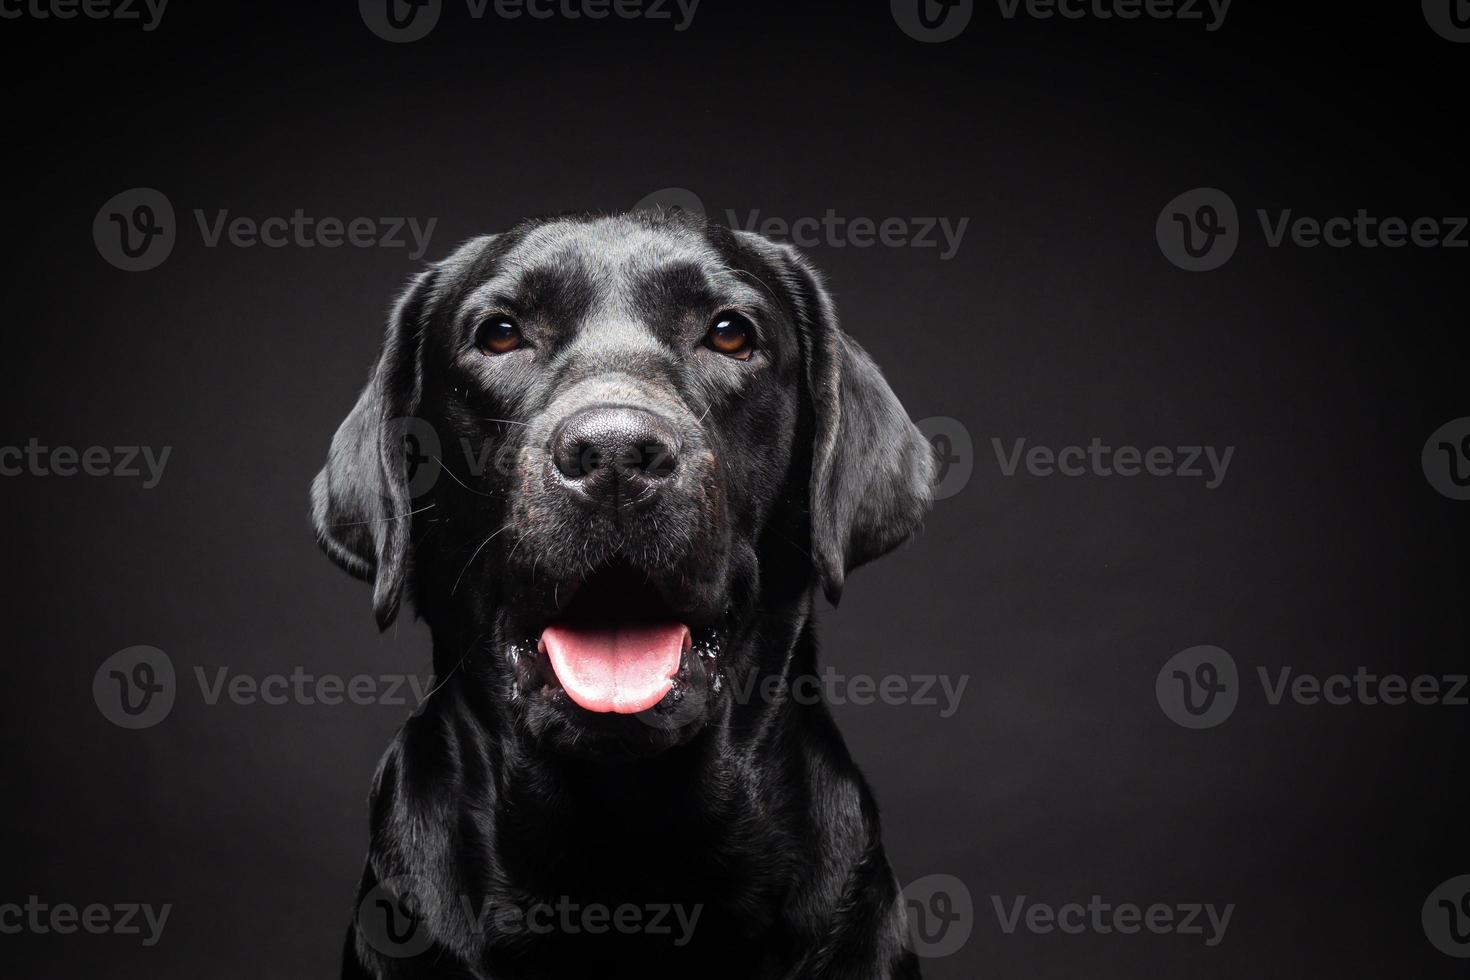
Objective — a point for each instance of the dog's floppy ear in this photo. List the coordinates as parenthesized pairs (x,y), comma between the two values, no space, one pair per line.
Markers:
(360,501)
(872,470)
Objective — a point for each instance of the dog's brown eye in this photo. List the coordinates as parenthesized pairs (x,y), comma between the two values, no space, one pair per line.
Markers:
(732,335)
(498,335)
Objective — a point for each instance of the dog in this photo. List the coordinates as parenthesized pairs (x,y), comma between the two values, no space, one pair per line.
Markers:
(610,459)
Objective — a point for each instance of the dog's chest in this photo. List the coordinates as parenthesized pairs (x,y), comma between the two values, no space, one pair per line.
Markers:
(666,878)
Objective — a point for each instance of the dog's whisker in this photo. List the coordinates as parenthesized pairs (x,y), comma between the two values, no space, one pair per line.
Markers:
(384,520)
(742,273)
(793,543)
(477,554)
(456,479)
(511,557)
(452,670)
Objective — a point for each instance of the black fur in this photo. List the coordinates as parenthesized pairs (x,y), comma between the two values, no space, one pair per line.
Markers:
(500,795)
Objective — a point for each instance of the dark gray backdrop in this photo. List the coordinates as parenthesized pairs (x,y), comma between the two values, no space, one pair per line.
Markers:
(1059,319)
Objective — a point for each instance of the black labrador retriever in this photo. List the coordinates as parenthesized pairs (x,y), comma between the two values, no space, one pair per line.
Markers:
(609,459)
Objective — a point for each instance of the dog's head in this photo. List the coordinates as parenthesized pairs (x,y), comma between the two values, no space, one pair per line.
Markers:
(597,450)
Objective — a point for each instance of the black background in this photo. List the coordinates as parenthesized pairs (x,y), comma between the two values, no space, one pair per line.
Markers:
(1059,320)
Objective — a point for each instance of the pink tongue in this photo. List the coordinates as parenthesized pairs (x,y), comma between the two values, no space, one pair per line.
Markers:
(622,669)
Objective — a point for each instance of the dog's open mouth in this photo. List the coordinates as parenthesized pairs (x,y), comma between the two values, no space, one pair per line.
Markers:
(619,648)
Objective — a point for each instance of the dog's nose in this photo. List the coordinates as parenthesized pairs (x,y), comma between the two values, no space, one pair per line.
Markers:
(615,455)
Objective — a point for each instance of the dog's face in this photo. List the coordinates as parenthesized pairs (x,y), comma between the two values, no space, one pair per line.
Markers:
(629,438)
